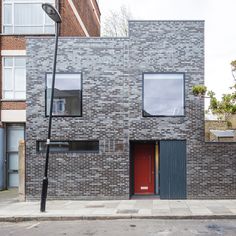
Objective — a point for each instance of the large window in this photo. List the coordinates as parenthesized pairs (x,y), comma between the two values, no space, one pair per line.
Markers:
(67,99)
(163,94)
(14,78)
(26,17)
(70,146)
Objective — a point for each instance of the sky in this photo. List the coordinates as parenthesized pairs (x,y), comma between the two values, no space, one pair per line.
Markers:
(220,30)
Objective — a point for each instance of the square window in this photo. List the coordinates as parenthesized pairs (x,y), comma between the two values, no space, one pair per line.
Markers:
(163,94)
(67,99)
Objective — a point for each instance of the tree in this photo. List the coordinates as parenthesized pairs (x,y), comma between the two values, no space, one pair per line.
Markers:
(223,108)
(226,106)
(116,23)
(233,68)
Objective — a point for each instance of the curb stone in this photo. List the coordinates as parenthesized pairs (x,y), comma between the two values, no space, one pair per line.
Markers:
(17,219)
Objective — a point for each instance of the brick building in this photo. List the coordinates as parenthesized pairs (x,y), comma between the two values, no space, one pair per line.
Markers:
(125,119)
(20,19)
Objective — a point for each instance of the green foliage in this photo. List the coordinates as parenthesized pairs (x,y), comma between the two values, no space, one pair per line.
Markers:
(229,124)
(223,108)
(233,64)
(233,68)
(199,90)
(226,106)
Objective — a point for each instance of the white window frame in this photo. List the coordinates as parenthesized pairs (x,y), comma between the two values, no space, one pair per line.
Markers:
(13,67)
(12,3)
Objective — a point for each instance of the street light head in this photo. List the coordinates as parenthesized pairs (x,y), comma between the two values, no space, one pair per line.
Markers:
(52,12)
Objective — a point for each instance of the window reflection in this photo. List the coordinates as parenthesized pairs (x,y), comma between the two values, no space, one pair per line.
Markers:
(67,95)
(163,95)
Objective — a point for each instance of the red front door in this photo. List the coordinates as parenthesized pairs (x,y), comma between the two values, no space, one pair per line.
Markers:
(144,168)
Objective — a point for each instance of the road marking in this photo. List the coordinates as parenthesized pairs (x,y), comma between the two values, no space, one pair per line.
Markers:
(32,226)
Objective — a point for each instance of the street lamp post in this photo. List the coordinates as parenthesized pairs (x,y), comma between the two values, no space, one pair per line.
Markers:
(55,16)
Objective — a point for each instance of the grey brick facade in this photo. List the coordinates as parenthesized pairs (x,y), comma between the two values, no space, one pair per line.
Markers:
(112,112)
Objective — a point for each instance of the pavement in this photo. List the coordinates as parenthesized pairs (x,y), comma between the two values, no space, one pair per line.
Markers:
(11,210)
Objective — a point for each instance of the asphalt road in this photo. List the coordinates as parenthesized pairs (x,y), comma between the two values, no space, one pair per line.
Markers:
(121,228)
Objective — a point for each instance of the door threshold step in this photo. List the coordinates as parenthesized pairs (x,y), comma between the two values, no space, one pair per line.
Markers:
(134,197)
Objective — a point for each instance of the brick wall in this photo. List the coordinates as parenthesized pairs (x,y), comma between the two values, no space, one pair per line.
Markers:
(111,162)
(12,42)
(95,3)
(13,105)
(212,171)
(70,27)
(88,16)
(112,112)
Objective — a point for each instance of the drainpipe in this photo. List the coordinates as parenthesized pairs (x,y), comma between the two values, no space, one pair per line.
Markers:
(1,158)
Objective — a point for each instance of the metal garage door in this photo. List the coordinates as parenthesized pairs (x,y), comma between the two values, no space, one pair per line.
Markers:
(172,169)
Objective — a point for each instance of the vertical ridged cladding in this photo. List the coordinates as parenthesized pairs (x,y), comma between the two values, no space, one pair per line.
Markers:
(112,112)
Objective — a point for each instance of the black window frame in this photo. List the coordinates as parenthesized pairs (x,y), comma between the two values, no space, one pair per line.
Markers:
(72,151)
(81,102)
(171,73)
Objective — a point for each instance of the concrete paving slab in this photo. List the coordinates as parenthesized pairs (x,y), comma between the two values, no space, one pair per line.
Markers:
(178,204)
(180,210)
(127,211)
(159,207)
(201,212)
(233,210)
(146,212)
(218,209)
(103,212)
(111,204)
(143,204)
(118,209)
(10,195)
(160,213)
(125,206)
(162,202)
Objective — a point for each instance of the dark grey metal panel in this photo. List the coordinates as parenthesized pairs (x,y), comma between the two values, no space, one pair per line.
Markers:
(172,169)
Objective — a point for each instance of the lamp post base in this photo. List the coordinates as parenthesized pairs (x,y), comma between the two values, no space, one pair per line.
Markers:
(44,194)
